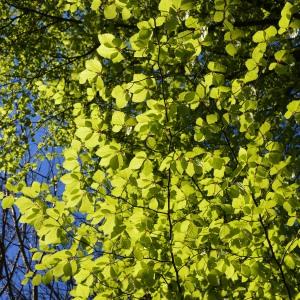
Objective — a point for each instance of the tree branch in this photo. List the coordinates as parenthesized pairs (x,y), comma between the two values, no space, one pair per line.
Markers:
(31,10)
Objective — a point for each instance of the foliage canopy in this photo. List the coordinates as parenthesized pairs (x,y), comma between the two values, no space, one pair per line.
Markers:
(175,126)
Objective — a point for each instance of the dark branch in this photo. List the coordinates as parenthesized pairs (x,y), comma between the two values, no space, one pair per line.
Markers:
(31,10)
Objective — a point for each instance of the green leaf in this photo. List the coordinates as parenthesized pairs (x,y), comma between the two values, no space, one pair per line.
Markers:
(126,14)
(246,270)
(224,232)
(259,36)
(110,11)
(37,279)
(289,261)
(212,118)
(84,291)
(32,191)
(270,32)
(251,75)
(286,14)
(110,47)
(216,67)
(96,4)
(184,4)
(37,256)
(190,170)
(67,269)
(120,95)
(7,202)
(138,254)
(219,16)
(118,118)
(230,271)
(212,189)
(137,162)
(153,204)
(200,91)
(47,278)
(291,221)
(292,108)
(238,203)
(251,64)
(217,162)
(200,122)
(258,52)
(93,65)
(243,155)
(231,49)
(83,133)
(164,5)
